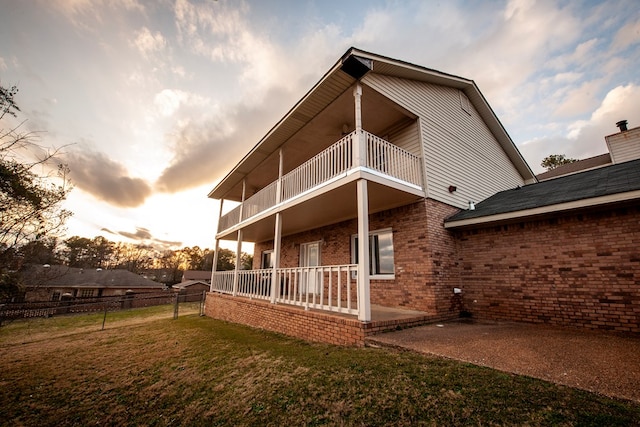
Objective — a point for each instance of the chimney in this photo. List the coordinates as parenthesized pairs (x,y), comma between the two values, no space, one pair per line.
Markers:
(624,146)
(622,125)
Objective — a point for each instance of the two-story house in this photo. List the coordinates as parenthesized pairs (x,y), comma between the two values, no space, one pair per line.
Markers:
(346,195)
(353,202)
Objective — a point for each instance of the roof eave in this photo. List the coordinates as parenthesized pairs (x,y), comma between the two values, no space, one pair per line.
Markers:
(514,216)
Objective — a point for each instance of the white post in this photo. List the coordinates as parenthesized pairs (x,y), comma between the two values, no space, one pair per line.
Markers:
(277,240)
(277,237)
(236,273)
(364,300)
(215,263)
(215,253)
(359,149)
(279,183)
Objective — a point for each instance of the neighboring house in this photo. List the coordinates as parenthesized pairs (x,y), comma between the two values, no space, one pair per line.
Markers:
(191,290)
(391,195)
(199,275)
(52,283)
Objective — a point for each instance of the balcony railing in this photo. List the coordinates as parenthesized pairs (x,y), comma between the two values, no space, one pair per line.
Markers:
(335,161)
(329,288)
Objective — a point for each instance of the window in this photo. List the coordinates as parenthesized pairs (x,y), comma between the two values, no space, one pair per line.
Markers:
(381,264)
(55,296)
(267,259)
(86,293)
(464,103)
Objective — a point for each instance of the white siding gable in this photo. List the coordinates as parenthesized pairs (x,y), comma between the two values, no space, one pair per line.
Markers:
(458,148)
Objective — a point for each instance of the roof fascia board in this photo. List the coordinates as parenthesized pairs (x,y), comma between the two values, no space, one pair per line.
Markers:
(543,210)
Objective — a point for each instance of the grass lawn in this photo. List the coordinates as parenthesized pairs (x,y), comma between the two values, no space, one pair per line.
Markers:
(147,369)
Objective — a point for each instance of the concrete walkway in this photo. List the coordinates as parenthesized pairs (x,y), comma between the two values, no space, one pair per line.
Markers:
(599,362)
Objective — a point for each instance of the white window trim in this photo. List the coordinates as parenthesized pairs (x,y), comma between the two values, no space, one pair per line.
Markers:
(391,276)
(270,251)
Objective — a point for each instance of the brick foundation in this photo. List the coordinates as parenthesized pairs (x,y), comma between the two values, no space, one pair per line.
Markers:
(581,270)
(294,321)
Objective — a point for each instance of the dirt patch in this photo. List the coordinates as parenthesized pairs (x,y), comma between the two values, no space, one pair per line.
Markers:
(598,362)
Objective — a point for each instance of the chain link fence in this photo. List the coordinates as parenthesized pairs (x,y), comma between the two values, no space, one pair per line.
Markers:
(47,309)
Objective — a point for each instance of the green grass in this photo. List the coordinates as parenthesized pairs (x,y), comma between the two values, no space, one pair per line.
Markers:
(199,371)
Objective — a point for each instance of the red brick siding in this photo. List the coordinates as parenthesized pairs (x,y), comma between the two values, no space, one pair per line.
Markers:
(296,322)
(424,254)
(580,270)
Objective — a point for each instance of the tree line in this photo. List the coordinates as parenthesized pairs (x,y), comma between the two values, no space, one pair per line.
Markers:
(99,252)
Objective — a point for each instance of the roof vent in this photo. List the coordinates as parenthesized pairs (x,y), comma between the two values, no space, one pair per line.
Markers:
(622,125)
(472,206)
(356,66)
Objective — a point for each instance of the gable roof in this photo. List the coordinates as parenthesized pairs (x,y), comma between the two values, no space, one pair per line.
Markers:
(351,67)
(190,283)
(196,275)
(63,276)
(578,166)
(615,183)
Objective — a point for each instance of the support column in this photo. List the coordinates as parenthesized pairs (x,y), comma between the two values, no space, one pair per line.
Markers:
(236,273)
(277,245)
(215,263)
(277,235)
(364,297)
(360,148)
(216,250)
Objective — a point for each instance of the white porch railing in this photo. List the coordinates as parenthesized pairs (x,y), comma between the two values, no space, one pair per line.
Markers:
(392,160)
(261,201)
(330,163)
(329,288)
(381,156)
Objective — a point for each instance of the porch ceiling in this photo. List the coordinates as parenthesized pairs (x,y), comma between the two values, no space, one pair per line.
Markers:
(325,209)
(379,114)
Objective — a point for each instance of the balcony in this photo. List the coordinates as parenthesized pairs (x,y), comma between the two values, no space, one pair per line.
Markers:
(382,158)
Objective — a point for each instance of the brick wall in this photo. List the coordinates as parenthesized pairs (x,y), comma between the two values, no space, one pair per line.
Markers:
(291,321)
(424,254)
(296,322)
(580,270)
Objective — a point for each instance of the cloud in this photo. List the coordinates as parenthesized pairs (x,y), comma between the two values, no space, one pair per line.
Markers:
(86,14)
(148,43)
(168,101)
(627,36)
(204,151)
(585,138)
(579,100)
(224,34)
(144,235)
(106,179)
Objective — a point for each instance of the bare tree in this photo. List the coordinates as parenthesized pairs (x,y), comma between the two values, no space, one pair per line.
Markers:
(30,197)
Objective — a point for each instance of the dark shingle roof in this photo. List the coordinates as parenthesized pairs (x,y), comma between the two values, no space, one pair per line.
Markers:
(618,178)
(580,165)
(196,275)
(62,276)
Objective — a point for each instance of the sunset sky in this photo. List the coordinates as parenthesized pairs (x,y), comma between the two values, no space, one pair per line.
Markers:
(154,101)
